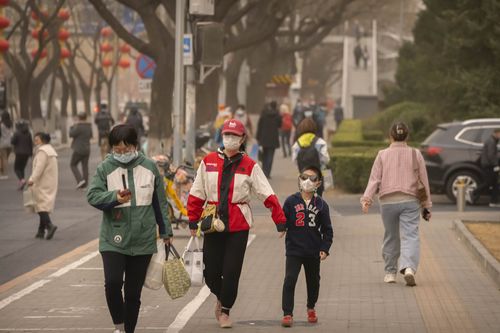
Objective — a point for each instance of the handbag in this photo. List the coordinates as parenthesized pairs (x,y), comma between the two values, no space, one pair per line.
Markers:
(154,275)
(193,261)
(421,192)
(210,222)
(176,279)
(28,200)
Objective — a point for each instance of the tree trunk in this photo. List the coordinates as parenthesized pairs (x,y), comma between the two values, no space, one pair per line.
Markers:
(261,71)
(64,106)
(160,120)
(50,98)
(73,94)
(24,99)
(37,120)
(207,98)
(86,96)
(232,75)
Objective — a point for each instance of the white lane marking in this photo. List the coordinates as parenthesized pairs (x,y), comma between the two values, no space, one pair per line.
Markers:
(74,264)
(188,311)
(22,293)
(88,269)
(79,329)
(86,285)
(38,284)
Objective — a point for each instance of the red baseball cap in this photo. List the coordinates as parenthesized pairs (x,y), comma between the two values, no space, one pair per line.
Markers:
(233,126)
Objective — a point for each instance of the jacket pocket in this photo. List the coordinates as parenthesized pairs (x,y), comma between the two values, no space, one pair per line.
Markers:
(116,229)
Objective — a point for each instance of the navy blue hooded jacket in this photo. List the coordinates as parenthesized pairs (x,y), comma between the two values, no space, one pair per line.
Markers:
(309,229)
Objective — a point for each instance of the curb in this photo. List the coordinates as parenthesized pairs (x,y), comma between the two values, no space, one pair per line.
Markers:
(487,262)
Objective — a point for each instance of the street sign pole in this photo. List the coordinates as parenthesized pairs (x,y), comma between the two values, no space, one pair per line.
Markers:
(178,80)
(190,110)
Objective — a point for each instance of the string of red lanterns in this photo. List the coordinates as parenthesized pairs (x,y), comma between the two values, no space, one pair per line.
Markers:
(4,23)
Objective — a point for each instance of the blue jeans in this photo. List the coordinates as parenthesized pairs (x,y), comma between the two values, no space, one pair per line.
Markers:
(401,239)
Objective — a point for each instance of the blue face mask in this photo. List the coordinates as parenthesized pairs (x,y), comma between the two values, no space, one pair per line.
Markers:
(126,157)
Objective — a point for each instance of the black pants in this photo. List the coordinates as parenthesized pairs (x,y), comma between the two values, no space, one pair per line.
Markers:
(285,143)
(490,180)
(311,269)
(267,161)
(134,267)
(20,165)
(44,220)
(77,158)
(223,254)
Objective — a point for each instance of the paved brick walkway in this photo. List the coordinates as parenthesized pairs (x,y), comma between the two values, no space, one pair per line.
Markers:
(452,294)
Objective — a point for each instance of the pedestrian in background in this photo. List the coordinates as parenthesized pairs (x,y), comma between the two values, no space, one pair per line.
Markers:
(23,149)
(135,120)
(228,178)
(81,132)
(129,190)
(268,135)
(6,132)
(286,129)
(394,178)
(242,115)
(491,168)
(309,149)
(298,113)
(338,114)
(309,236)
(104,122)
(358,54)
(365,56)
(44,183)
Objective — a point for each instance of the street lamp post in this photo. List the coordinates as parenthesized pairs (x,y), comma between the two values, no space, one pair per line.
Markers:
(178,80)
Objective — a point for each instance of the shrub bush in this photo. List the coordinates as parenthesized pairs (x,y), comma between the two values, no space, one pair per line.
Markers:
(349,130)
(352,170)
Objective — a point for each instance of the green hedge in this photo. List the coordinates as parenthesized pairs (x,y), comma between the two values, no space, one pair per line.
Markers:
(349,130)
(352,170)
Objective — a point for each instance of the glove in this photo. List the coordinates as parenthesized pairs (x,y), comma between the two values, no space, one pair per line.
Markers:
(496,169)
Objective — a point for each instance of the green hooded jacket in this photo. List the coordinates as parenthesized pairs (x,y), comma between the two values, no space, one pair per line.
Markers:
(130,228)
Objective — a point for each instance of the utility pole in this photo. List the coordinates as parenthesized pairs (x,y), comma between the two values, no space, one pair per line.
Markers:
(190,110)
(177,143)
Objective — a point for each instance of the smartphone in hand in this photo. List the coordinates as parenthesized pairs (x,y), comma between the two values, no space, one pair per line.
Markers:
(426,214)
(125,190)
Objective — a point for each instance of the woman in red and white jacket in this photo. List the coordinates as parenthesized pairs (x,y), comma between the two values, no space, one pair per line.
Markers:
(228,178)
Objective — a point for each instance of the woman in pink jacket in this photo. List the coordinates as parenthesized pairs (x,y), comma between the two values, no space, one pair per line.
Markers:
(228,178)
(395,178)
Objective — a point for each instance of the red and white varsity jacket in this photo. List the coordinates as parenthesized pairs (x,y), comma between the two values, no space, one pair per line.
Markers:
(248,179)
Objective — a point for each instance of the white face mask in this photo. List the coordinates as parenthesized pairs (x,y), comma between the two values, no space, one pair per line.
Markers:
(231,142)
(307,185)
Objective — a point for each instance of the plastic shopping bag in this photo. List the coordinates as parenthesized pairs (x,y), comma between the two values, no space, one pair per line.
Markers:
(28,200)
(175,277)
(154,275)
(254,152)
(193,261)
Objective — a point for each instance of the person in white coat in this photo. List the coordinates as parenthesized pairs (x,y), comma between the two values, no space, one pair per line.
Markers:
(43,182)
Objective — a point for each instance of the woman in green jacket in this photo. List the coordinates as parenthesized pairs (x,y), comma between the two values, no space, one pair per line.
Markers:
(129,190)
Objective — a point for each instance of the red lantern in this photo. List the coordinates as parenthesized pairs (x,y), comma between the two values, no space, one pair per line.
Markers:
(124,63)
(4,3)
(124,48)
(106,63)
(4,22)
(35,17)
(36,33)
(63,14)
(4,45)
(106,32)
(43,54)
(65,53)
(63,34)
(106,47)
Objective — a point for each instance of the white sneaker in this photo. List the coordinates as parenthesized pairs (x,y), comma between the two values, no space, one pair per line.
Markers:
(390,278)
(493,205)
(4,177)
(410,277)
(80,184)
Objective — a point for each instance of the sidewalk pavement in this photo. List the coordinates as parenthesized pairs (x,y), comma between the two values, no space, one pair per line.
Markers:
(452,293)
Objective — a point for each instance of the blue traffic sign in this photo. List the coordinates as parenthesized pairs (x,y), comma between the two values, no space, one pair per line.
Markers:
(145,67)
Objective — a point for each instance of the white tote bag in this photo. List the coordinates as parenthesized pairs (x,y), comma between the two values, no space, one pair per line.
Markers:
(327,179)
(193,261)
(154,275)
(28,200)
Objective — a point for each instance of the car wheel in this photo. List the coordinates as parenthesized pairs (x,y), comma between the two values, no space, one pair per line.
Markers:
(471,181)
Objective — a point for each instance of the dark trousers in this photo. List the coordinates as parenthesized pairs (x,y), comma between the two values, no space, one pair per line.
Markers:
(223,254)
(124,311)
(490,180)
(20,165)
(311,269)
(285,143)
(77,158)
(267,160)
(44,220)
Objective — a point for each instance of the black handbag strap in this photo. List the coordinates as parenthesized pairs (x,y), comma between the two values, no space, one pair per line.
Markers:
(171,249)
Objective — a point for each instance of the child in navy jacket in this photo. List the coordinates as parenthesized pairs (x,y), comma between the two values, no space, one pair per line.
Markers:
(309,236)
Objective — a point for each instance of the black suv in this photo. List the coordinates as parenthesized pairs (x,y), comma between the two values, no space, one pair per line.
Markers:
(452,154)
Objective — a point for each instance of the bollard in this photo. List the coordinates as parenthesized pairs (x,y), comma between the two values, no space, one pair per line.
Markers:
(461,196)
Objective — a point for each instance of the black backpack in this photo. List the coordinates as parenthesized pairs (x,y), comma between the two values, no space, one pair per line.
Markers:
(308,156)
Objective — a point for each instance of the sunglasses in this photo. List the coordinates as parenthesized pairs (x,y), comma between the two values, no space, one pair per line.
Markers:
(313,178)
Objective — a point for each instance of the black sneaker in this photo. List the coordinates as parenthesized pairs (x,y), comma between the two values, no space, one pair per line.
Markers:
(40,234)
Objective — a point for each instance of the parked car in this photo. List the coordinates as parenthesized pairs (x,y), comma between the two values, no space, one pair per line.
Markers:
(452,154)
